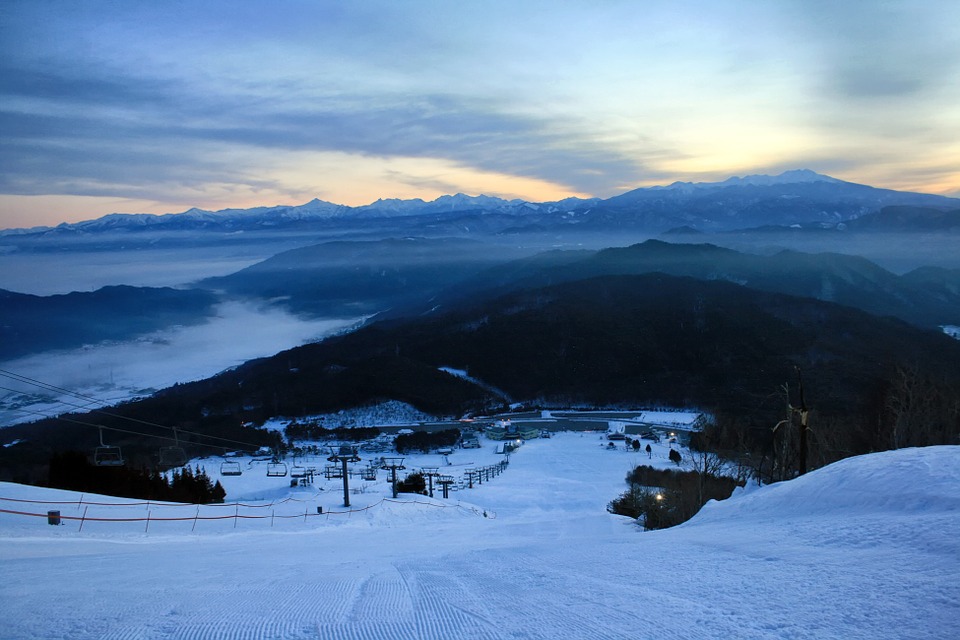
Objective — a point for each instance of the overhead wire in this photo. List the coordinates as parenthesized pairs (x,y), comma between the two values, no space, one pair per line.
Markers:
(91,400)
(91,424)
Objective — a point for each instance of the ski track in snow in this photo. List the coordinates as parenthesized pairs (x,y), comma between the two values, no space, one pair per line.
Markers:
(862,550)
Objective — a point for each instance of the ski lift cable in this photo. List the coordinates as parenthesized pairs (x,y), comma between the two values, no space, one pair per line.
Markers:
(41,399)
(116,429)
(28,380)
(28,394)
(43,385)
(80,422)
(119,430)
(50,387)
(90,400)
(60,417)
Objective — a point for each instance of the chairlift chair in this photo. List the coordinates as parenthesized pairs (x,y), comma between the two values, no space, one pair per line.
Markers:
(230,469)
(296,471)
(276,469)
(106,455)
(332,471)
(173,456)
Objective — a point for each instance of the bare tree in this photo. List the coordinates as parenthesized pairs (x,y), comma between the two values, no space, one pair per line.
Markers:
(913,410)
(703,460)
(803,413)
(790,436)
(784,443)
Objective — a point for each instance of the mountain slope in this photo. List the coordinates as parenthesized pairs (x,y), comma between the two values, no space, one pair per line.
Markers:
(929,298)
(908,219)
(793,197)
(352,278)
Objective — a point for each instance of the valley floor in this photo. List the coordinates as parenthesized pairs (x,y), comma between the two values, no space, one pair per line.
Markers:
(867,548)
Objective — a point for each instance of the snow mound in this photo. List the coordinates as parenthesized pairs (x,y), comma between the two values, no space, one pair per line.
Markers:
(904,482)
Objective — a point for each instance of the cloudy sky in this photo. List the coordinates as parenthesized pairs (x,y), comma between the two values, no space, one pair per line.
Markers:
(160,106)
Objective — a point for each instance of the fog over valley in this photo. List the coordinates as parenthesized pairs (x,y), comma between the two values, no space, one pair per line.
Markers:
(114,372)
(51,266)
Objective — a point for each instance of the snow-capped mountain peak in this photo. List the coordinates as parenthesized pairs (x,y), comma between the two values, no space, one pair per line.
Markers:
(734,203)
(795,176)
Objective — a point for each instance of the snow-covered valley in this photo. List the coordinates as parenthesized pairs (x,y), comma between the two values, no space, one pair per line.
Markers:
(865,548)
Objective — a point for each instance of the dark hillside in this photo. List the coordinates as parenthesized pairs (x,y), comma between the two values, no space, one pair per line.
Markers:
(641,340)
(352,278)
(831,277)
(677,341)
(908,219)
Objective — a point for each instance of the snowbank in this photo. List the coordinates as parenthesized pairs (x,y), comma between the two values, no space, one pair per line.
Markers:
(920,480)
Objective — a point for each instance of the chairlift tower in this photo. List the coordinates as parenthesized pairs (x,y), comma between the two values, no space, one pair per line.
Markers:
(445,482)
(473,474)
(344,454)
(392,464)
(430,473)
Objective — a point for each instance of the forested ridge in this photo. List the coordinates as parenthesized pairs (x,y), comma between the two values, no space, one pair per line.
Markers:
(615,341)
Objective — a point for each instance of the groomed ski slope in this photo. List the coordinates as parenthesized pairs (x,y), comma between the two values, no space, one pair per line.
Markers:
(866,548)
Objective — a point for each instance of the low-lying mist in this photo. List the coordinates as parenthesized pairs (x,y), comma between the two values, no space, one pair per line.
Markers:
(114,372)
(61,268)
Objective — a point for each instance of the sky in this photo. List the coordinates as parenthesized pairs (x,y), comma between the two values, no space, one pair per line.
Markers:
(158,107)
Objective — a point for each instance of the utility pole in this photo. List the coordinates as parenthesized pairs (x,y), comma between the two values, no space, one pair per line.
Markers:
(344,454)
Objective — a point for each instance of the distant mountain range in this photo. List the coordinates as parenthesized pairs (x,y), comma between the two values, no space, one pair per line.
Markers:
(800,197)
(928,297)
(426,277)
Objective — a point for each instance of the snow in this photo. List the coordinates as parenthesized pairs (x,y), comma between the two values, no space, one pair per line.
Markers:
(391,413)
(865,548)
(465,375)
(796,176)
